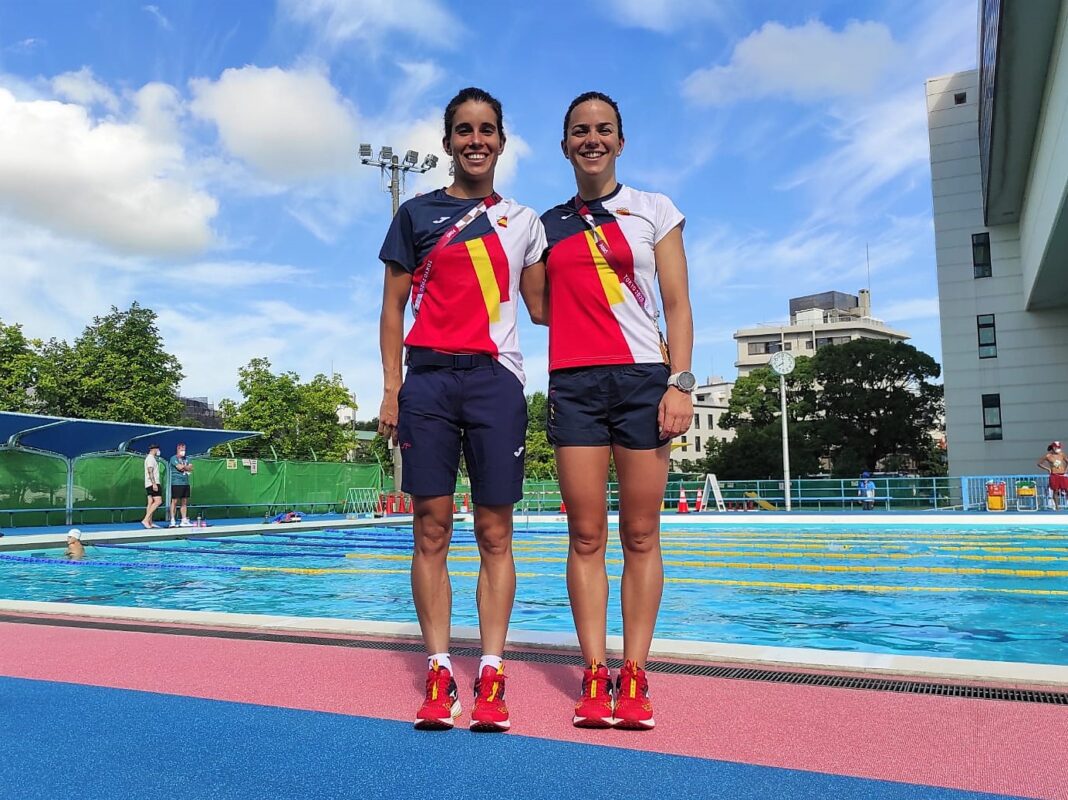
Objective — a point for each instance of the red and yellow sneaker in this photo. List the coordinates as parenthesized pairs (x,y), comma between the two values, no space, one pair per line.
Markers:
(442,704)
(634,710)
(490,714)
(594,706)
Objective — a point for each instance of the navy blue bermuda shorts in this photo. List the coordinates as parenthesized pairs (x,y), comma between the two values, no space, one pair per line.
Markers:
(480,409)
(605,405)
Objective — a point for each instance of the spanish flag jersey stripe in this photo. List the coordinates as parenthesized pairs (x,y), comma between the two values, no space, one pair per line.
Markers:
(491,292)
(613,289)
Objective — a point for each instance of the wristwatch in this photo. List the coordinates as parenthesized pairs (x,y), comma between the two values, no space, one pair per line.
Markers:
(683,381)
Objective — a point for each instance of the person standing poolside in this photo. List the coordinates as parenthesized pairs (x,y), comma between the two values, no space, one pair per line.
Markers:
(614,393)
(180,469)
(866,491)
(461,255)
(152,486)
(1056,465)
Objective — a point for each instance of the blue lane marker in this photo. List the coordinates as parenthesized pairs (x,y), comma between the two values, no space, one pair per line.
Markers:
(346,545)
(142,744)
(218,551)
(138,565)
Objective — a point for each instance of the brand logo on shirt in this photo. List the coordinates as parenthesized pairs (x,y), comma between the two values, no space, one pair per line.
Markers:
(623,212)
(502,222)
(567,216)
(440,220)
(519,452)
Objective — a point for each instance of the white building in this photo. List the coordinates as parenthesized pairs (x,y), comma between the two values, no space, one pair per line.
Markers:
(816,320)
(999,176)
(710,401)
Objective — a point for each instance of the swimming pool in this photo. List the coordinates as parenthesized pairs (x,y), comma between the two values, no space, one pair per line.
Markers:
(954,591)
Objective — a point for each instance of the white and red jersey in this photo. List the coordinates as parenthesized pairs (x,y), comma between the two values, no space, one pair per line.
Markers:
(594,317)
(471,298)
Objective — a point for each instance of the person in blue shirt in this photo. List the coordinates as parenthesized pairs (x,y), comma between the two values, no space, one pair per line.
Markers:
(180,469)
(866,491)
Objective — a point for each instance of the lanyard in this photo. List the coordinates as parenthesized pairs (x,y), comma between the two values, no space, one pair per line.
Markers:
(624,277)
(444,241)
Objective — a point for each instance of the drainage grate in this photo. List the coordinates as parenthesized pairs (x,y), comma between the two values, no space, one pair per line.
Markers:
(1058,698)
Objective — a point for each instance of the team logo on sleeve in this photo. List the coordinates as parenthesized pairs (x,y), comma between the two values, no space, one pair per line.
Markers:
(502,222)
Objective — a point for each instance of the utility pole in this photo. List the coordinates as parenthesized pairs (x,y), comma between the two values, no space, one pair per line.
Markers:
(398,171)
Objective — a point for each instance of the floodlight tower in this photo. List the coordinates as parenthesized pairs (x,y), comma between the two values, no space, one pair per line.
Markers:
(398,172)
(398,169)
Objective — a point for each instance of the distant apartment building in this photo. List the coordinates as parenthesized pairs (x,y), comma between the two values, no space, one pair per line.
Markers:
(816,320)
(710,401)
(999,176)
(202,412)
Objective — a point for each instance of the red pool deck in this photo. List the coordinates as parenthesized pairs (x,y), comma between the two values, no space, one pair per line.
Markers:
(980,745)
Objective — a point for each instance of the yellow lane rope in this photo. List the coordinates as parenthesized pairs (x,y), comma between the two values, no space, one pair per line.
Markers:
(812,554)
(821,587)
(1020,573)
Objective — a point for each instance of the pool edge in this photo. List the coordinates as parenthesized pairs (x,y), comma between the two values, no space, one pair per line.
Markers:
(720,652)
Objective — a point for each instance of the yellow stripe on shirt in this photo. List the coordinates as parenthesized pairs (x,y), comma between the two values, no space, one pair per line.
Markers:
(613,289)
(491,292)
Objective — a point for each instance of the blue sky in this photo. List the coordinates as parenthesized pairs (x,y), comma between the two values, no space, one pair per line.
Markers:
(199,157)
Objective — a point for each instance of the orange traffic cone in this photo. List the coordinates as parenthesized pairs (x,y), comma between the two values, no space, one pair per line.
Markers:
(700,501)
(467,506)
(563,506)
(455,508)
(684,506)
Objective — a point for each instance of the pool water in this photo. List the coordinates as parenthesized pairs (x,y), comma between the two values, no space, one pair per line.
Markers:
(994,594)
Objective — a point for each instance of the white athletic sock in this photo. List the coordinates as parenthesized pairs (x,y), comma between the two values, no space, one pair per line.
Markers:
(489,661)
(442,659)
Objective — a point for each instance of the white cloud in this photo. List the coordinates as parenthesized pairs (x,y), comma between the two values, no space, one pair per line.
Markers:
(289,125)
(161,20)
(27,45)
(806,63)
(666,16)
(231,274)
(83,88)
(157,108)
(916,308)
(108,182)
(336,22)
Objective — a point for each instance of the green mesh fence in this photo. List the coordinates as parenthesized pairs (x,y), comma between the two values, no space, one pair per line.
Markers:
(31,483)
(33,487)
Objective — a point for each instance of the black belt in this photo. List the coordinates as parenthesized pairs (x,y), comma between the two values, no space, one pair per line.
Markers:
(423,357)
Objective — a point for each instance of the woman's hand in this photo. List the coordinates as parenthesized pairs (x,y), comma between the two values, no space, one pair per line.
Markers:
(675,414)
(387,416)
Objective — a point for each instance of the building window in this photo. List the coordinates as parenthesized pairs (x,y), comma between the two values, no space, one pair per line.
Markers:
(981,255)
(808,344)
(988,336)
(960,98)
(992,417)
(789,345)
(697,420)
(711,423)
(757,348)
(683,442)
(697,443)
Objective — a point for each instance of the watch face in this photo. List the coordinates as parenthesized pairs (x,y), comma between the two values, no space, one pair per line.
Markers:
(687,381)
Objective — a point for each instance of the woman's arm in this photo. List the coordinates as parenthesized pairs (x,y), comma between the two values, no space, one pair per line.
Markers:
(535,291)
(676,409)
(395,290)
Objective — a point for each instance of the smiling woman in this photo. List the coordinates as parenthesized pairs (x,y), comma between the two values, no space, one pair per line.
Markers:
(461,254)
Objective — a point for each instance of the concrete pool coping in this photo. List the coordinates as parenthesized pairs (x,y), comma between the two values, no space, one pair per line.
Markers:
(886,664)
(668,520)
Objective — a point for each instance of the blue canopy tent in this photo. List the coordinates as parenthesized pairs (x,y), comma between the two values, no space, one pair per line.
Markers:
(71,439)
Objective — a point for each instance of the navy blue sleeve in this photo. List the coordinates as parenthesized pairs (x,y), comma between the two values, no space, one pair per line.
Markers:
(399,245)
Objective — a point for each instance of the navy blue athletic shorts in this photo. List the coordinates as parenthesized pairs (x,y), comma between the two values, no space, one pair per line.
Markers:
(599,406)
(477,405)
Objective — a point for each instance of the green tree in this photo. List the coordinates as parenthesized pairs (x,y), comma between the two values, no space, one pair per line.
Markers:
(19,362)
(754,412)
(540,460)
(117,369)
(298,419)
(876,401)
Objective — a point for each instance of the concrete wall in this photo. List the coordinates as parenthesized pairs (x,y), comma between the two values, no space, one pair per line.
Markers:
(1030,371)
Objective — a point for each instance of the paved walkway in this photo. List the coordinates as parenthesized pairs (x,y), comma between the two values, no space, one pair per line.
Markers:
(112,713)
